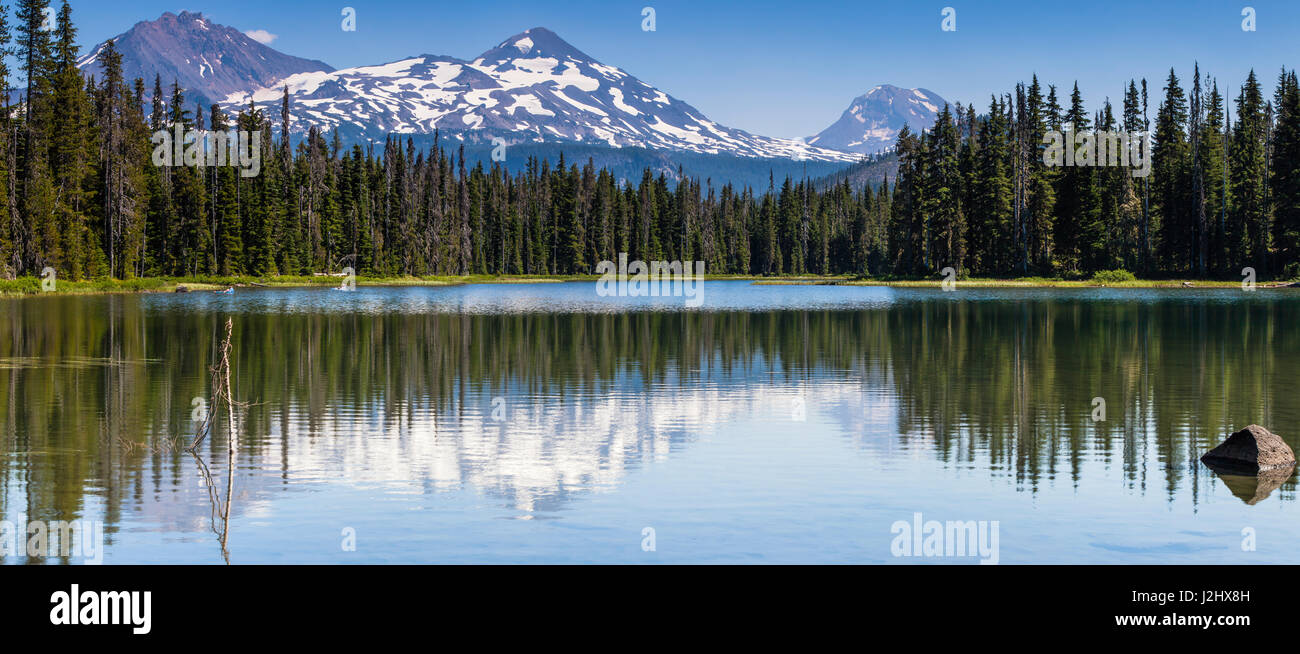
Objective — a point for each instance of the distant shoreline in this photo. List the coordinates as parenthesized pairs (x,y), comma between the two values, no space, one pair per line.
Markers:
(31,286)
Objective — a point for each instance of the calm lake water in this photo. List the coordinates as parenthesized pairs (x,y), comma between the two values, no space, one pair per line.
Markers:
(543,423)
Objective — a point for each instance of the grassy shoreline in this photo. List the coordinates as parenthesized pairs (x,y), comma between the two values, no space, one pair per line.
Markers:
(31,286)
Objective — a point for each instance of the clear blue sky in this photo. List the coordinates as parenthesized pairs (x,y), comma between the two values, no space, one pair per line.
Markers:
(789,68)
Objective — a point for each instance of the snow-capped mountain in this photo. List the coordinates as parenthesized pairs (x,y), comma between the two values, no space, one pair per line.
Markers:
(873,120)
(208,60)
(531,88)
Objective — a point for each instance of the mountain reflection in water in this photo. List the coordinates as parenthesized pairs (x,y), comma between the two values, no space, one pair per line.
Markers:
(412,402)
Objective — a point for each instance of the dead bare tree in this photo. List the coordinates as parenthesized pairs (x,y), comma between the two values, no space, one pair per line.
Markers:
(221,394)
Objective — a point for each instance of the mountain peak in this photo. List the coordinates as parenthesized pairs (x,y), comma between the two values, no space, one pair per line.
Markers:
(534,43)
(873,120)
(208,60)
(895,91)
(883,88)
(182,20)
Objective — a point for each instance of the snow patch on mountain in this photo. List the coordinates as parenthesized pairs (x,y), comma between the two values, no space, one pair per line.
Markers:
(532,87)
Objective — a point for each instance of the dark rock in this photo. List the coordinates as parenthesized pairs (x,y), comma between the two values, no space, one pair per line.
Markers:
(1251,451)
(182,289)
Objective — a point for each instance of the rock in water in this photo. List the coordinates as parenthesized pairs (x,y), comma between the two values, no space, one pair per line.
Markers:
(1252,450)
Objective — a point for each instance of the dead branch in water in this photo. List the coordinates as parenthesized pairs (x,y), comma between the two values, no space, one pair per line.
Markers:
(221,394)
(220,391)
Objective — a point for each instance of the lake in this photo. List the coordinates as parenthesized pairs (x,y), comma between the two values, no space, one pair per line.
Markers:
(543,423)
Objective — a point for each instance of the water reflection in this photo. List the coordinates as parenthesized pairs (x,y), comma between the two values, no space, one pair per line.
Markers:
(406,397)
(1253,489)
(221,504)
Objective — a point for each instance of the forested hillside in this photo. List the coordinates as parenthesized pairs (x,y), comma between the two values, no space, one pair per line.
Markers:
(79,192)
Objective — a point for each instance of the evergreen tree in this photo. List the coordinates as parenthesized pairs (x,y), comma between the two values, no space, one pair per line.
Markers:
(1078,236)
(1171,169)
(1248,232)
(38,240)
(11,225)
(942,199)
(1213,158)
(1285,171)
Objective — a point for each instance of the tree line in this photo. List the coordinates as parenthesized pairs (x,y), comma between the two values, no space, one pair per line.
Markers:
(975,192)
(79,192)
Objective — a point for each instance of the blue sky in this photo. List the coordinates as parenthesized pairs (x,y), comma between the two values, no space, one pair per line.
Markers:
(788,68)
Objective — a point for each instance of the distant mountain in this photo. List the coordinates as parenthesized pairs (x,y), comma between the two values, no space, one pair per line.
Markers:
(531,88)
(210,61)
(539,93)
(873,120)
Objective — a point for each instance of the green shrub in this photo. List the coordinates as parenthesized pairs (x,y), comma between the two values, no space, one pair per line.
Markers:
(1113,277)
(1291,272)
(21,285)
